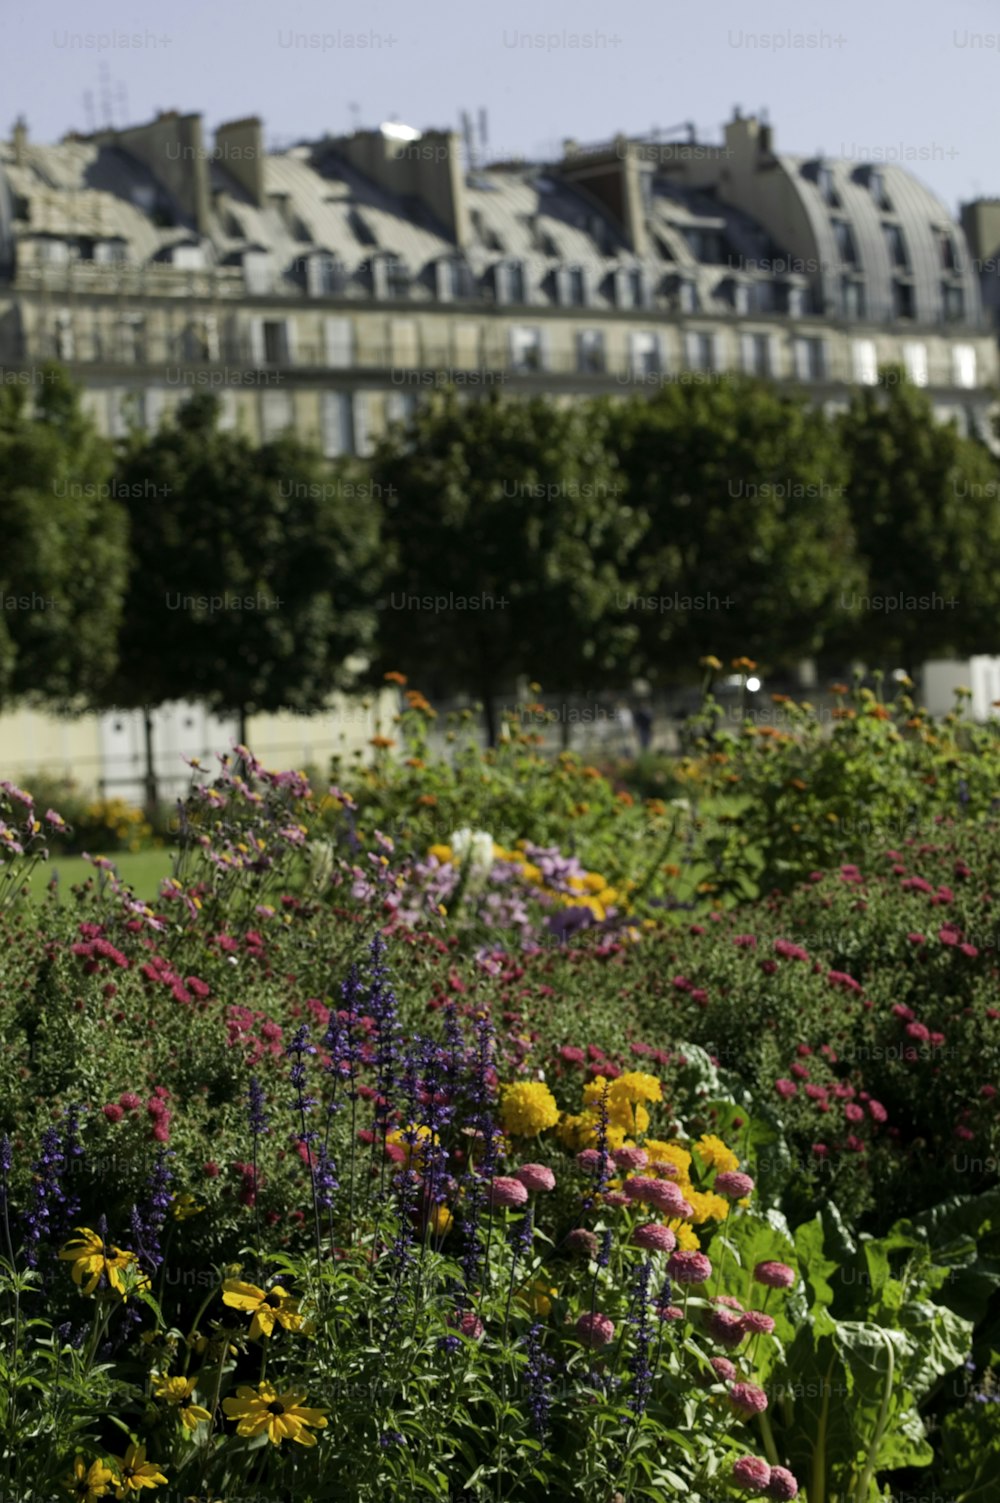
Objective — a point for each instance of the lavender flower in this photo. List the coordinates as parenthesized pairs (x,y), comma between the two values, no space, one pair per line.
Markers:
(639,1365)
(539,1398)
(256,1098)
(147,1221)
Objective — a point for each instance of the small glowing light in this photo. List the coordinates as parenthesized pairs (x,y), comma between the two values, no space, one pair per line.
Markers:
(753,684)
(397,132)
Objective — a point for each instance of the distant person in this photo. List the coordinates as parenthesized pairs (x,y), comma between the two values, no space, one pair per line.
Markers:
(644,726)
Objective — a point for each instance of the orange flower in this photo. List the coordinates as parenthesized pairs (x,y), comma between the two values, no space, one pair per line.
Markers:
(429,800)
(781,699)
(798,783)
(415,762)
(839,689)
(841,714)
(879,712)
(747,664)
(396,678)
(382,742)
(625,798)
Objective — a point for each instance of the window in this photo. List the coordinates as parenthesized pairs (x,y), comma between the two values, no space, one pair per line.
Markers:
(465,345)
(526,349)
(757,354)
(825,184)
(740,296)
(946,248)
(200,341)
(810,359)
(337,416)
(338,339)
(865,362)
(63,338)
(53,252)
(132,337)
(571,283)
(854,298)
(324,275)
(644,353)
(764,297)
(258,273)
(590,350)
(276,413)
(953,301)
(276,342)
(844,240)
(895,245)
(400,406)
(915,363)
(699,350)
(109,252)
(187,257)
(405,342)
(902,299)
(630,287)
(963,364)
(390,277)
(877,188)
(453,280)
(363,443)
(509,282)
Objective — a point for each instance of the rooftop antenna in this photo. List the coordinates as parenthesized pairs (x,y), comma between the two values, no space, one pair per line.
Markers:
(107,114)
(484,133)
(470,141)
(121,100)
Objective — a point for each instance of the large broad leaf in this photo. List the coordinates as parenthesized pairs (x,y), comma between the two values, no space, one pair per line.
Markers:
(814,1264)
(750,1238)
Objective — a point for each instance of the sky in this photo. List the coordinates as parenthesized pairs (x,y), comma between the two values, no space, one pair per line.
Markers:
(914,83)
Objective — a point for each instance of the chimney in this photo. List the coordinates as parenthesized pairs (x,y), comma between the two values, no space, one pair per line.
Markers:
(239,148)
(20,141)
(173,150)
(427,166)
(747,137)
(612,178)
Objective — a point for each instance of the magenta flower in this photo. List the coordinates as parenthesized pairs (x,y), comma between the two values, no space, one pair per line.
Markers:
(733,1184)
(756,1322)
(752,1473)
(113,1112)
(782,1486)
(775,1275)
(726,1329)
(536,1177)
(654,1237)
(631,1158)
(747,1399)
(689,1267)
(724,1370)
(786,1088)
(507,1192)
(595,1330)
(670,1312)
(469,1324)
(615,1199)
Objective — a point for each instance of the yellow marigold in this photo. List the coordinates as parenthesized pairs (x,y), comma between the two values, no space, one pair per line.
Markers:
(440,1221)
(687,1240)
(713,1152)
(669,1153)
(528,1108)
(593,882)
(582,1131)
(443,853)
(635,1085)
(706,1206)
(413,1141)
(538,1297)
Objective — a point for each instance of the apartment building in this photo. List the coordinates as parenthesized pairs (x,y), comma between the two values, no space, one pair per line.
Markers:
(327,286)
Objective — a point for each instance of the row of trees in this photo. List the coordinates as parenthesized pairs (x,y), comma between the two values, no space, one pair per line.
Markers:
(582,544)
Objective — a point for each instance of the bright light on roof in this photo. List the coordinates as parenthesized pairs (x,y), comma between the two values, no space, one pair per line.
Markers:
(397,132)
(753,684)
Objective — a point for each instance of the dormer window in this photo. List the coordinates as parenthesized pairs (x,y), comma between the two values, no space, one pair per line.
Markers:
(454,280)
(845,242)
(946,246)
(825,184)
(571,282)
(390,278)
(895,245)
(324,275)
(876,184)
(631,290)
(509,282)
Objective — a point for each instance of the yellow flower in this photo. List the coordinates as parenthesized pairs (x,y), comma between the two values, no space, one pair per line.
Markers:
(443,853)
(528,1108)
(635,1085)
(267,1306)
(87,1484)
(713,1152)
(538,1298)
(134,1472)
(706,1206)
(440,1221)
(179,1394)
(283,1416)
(413,1141)
(91,1259)
(687,1241)
(669,1153)
(184,1207)
(710,662)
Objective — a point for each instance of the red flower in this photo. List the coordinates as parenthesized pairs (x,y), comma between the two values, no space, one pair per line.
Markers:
(113,1112)
(786,1088)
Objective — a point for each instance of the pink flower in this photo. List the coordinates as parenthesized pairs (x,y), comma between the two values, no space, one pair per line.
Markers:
(726,1328)
(752,1473)
(130,1101)
(631,1158)
(782,1487)
(877,1111)
(654,1237)
(816,1092)
(747,1399)
(755,1322)
(595,1330)
(536,1177)
(670,1312)
(918,1031)
(916,939)
(507,1192)
(733,1184)
(664,1170)
(853,1112)
(788,951)
(774,1275)
(581,1240)
(615,1199)
(593,1162)
(745,941)
(786,1088)
(689,1267)
(728,1301)
(113,1112)
(725,1370)
(468,1323)
(210,1169)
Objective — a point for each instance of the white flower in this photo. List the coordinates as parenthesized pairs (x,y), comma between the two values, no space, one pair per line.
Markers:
(474,847)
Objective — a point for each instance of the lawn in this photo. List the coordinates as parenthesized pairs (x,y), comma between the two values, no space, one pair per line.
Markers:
(142,870)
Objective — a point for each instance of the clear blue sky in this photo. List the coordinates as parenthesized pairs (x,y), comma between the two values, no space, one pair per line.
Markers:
(918,82)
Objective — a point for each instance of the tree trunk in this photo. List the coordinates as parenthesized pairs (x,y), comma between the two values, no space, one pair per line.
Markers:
(152,793)
(242,732)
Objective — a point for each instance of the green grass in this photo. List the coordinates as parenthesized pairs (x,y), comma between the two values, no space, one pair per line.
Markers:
(142,870)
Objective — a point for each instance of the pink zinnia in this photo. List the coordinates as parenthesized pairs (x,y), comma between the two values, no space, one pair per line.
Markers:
(654,1192)
(728,1300)
(747,1399)
(918,1031)
(595,1330)
(670,1312)
(689,1267)
(733,1184)
(782,1487)
(786,1088)
(468,1323)
(788,951)
(507,1192)
(774,1275)
(113,1112)
(654,1237)
(593,1162)
(631,1158)
(724,1370)
(581,1240)
(615,1199)
(853,1112)
(757,1323)
(752,1473)
(536,1177)
(664,1170)
(130,1101)
(725,1328)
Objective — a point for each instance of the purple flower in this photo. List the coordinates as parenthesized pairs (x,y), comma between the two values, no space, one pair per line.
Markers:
(258,1121)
